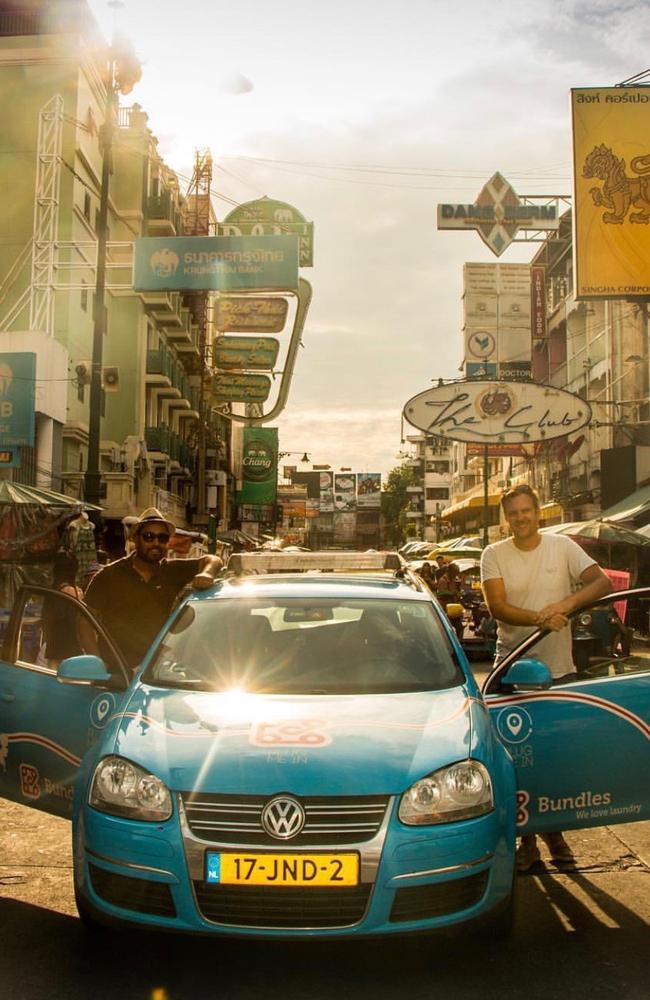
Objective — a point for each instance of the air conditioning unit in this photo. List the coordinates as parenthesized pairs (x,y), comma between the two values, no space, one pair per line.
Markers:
(83,371)
(111,379)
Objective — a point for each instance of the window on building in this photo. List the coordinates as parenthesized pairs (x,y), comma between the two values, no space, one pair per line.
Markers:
(87,205)
(439,467)
(437,493)
(84,298)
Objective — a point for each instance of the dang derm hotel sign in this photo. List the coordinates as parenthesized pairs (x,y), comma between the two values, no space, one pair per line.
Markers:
(215,263)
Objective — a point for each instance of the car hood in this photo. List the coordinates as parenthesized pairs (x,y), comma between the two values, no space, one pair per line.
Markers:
(236,743)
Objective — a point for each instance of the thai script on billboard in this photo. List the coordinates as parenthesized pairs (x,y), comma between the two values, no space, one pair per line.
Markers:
(611,157)
(215,263)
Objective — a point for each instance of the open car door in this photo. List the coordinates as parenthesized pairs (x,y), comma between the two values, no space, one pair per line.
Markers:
(581,749)
(46,726)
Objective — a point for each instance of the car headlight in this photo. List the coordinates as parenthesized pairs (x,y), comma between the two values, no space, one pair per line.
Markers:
(461,791)
(124,789)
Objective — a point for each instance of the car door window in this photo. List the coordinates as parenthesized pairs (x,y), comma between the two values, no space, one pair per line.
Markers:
(48,627)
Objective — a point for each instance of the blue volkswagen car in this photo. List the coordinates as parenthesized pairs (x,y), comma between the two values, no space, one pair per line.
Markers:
(309,755)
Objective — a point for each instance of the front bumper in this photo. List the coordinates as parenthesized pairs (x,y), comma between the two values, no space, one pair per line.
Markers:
(412,880)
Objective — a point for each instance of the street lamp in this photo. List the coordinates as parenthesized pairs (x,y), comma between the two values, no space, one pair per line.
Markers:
(305,457)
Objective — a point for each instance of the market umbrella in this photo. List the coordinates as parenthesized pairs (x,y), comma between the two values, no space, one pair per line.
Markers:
(604,532)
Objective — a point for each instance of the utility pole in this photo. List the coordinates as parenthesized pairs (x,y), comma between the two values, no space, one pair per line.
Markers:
(93,477)
(122,73)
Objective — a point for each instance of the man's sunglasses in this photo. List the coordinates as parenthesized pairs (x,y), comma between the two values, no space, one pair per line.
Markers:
(155,536)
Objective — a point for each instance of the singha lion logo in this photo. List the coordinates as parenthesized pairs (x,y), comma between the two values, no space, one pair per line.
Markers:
(619,192)
(164,263)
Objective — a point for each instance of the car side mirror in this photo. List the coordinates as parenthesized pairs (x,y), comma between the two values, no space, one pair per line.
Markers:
(528,673)
(85,669)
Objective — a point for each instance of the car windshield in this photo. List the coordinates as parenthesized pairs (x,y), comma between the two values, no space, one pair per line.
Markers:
(305,646)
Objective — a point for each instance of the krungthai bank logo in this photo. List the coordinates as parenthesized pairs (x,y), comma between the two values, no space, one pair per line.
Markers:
(6,378)
(164,263)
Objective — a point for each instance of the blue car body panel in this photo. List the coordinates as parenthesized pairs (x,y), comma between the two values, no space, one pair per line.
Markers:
(565,757)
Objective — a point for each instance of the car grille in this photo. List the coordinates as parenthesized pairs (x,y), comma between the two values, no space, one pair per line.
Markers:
(293,908)
(236,819)
(423,902)
(138,894)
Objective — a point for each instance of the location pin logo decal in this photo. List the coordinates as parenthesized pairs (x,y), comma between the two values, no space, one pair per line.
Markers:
(514,723)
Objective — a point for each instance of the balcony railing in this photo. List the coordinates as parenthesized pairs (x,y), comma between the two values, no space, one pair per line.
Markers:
(163,208)
(157,439)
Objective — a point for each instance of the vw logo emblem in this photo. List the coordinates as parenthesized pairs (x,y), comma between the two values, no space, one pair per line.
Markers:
(283,818)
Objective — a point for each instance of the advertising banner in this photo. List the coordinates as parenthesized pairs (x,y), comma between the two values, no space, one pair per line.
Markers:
(515,369)
(17,398)
(215,263)
(611,157)
(368,490)
(259,466)
(345,492)
(514,344)
(326,482)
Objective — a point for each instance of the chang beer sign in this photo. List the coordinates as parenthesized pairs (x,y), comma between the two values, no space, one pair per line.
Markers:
(266,217)
(17,400)
(259,466)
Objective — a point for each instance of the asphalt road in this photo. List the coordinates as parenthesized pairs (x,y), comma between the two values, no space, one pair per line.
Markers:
(580,933)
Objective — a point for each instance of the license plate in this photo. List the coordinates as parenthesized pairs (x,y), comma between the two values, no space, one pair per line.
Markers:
(333,870)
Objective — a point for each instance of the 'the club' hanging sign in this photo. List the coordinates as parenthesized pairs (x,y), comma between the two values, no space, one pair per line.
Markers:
(494,412)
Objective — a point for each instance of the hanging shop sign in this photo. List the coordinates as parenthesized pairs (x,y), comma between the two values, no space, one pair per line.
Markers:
(17,399)
(481,369)
(515,370)
(248,353)
(538,302)
(240,388)
(494,450)
(498,215)
(611,157)
(259,466)
(215,263)
(497,412)
(250,314)
(265,216)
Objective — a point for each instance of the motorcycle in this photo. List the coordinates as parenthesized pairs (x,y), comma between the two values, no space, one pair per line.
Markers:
(596,635)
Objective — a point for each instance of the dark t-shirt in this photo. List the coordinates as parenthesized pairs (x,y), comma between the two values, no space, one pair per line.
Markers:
(132,609)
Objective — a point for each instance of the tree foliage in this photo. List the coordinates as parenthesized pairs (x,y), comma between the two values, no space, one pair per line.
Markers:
(394,501)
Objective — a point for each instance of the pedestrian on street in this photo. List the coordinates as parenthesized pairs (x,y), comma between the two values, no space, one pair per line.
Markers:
(59,620)
(530,581)
(133,596)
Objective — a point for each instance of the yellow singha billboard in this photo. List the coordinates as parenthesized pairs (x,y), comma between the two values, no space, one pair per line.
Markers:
(611,162)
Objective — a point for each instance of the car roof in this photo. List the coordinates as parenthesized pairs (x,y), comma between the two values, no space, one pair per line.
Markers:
(328,585)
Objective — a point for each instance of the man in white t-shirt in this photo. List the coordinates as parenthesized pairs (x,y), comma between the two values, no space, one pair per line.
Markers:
(531,581)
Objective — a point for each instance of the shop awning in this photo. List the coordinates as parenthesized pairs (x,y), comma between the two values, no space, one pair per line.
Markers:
(630,508)
(475,502)
(549,511)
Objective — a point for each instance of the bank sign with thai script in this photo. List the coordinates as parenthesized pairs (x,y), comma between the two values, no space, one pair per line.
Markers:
(17,397)
(215,263)
(497,412)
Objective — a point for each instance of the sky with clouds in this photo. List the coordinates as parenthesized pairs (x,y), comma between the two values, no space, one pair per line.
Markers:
(364,115)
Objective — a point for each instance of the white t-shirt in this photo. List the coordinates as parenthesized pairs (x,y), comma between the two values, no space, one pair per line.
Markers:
(533,579)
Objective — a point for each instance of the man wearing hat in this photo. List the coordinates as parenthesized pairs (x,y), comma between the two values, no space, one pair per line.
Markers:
(133,596)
